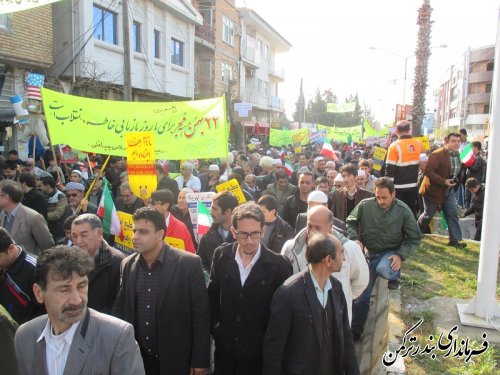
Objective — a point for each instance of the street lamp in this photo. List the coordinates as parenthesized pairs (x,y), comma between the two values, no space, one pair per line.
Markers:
(406,63)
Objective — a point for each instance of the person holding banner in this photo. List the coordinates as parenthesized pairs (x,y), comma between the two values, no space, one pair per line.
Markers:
(163,201)
(163,294)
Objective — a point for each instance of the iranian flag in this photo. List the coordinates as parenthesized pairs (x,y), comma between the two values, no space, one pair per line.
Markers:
(466,156)
(204,219)
(327,150)
(349,140)
(107,213)
(288,168)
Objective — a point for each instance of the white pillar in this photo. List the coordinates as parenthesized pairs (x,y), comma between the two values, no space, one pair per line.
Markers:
(484,304)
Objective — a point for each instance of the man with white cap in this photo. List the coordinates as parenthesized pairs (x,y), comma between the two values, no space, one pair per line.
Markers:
(210,179)
(354,274)
(187,179)
(338,182)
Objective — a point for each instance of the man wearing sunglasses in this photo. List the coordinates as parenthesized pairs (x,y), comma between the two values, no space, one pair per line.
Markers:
(244,277)
(75,193)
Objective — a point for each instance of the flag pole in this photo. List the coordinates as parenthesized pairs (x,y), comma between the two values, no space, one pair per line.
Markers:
(89,190)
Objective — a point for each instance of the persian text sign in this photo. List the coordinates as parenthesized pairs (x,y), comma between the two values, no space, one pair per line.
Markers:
(280,137)
(378,157)
(141,163)
(233,187)
(425,143)
(182,130)
(11,6)
(127,223)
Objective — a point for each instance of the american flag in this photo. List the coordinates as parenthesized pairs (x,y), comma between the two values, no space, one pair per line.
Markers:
(34,82)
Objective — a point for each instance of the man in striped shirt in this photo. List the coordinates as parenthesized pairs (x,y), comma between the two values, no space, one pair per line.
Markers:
(402,163)
(17,274)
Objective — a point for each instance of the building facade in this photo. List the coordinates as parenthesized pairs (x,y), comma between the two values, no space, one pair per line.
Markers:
(260,72)
(25,46)
(464,97)
(89,48)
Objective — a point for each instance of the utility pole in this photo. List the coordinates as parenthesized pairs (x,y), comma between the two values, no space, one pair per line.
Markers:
(127,79)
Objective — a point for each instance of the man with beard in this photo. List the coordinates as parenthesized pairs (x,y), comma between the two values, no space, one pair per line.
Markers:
(72,338)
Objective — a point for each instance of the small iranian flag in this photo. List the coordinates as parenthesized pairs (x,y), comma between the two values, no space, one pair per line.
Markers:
(349,140)
(467,156)
(107,213)
(327,150)
(288,168)
(204,219)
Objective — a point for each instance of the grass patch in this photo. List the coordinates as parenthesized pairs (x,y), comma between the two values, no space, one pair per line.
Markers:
(439,270)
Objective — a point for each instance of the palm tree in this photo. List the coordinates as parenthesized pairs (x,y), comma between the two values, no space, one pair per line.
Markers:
(422,55)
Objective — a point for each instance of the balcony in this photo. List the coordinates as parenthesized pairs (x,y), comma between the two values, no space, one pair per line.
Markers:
(249,53)
(481,98)
(480,77)
(205,32)
(276,104)
(277,74)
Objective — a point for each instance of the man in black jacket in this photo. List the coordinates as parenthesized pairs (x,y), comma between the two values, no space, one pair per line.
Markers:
(163,294)
(104,279)
(223,204)
(17,275)
(277,230)
(32,197)
(244,277)
(297,203)
(477,204)
(166,182)
(308,331)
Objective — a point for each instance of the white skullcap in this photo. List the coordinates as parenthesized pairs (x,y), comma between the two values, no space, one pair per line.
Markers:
(338,178)
(317,196)
(277,161)
(213,168)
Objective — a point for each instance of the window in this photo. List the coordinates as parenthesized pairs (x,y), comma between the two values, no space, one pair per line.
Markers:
(227,30)
(204,68)
(177,52)
(487,87)
(104,22)
(207,16)
(489,67)
(265,88)
(136,36)
(5,22)
(227,73)
(157,44)
(264,50)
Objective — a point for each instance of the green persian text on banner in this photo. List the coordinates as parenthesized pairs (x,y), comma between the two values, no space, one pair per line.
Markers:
(182,130)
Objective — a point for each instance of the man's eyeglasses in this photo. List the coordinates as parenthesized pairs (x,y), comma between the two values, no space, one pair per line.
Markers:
(157,203)
(73,195)
(245,235)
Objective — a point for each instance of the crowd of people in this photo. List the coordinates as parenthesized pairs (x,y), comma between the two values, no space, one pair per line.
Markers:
(280,284)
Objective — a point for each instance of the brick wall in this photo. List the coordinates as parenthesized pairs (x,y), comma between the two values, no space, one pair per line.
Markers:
(29,38)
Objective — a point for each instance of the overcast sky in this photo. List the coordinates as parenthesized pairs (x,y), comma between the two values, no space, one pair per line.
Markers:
(331,41)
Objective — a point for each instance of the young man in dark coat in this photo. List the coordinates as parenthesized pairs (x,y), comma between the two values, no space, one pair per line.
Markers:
(243,279)
(477,206)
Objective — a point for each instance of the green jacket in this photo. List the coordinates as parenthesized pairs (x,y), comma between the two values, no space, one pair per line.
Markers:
(383,230)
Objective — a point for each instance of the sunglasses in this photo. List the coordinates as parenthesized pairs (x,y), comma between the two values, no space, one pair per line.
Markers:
(73,195)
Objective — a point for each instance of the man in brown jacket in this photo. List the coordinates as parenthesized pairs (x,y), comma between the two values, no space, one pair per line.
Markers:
(437,189)
(345,199)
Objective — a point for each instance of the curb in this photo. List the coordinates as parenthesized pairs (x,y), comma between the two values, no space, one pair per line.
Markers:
(395,331)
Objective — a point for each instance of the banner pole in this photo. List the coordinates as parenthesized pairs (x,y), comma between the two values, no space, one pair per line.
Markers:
(101,173)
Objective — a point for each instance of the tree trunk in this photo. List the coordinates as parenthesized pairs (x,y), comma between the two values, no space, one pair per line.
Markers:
(422,56)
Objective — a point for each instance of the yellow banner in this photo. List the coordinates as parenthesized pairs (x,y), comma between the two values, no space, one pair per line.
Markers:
(127,224)
(233,187)
(175,242)
(11,6)
(141,163)
(182,130)
(300,137)
(425,143)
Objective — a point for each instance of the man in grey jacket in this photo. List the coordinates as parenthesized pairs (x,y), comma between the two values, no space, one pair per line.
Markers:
(72,338)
